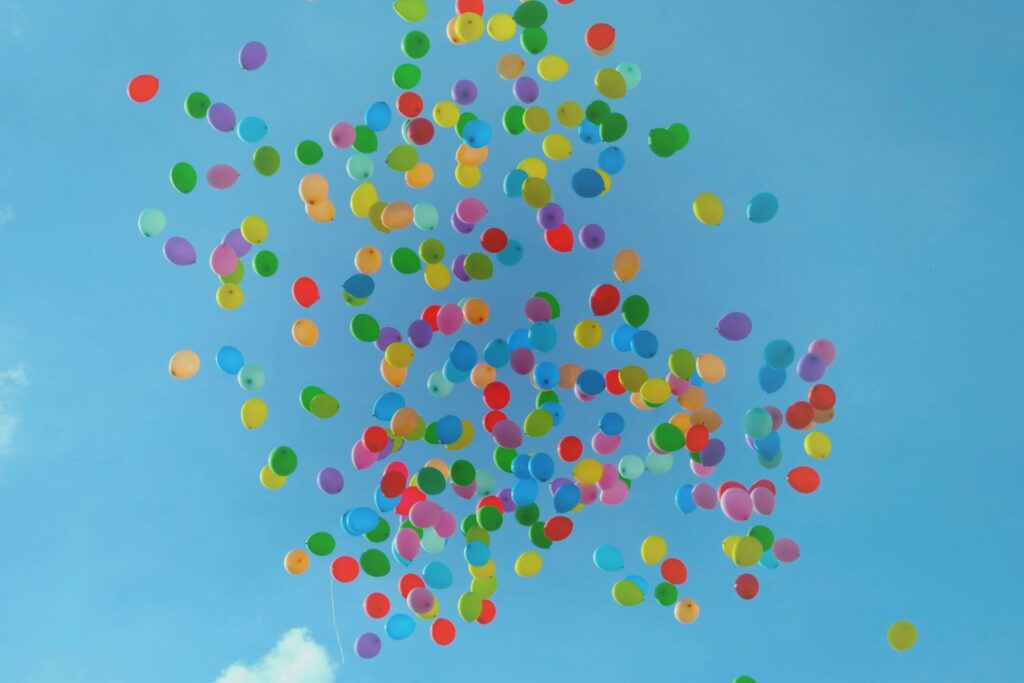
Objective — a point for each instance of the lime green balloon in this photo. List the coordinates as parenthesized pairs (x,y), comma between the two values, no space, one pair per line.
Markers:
(411,10)
(538,537)
(324,406)
(308,153)
(489,517)
(406,76)
(235,276)
(597,111)
(264,263)
(531,14)
(527,515)
(183,177)
(366,140)
(415,44)
(764,535)
(464,118)
(431,251)
(380,533)
(682,364)
(354,301)
(484,587)
(627,593)
(667,437)
(462,473)
(471,606)
(430,480)
(320,544)
(613,127)
(282,461)
(478,266)
(635,310)
(556,308)
(662,142)
(478,533)
(902,635)
(610,83)
(365,328)
(538,423)
(503,458)
(681,133)
(375,563)
(307,395)
(266,160)
(402,158)
(405,261)
(512,120)
(666,594)
(534,40)
(196,104)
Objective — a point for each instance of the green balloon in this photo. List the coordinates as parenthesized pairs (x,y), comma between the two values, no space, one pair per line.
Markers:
(556,309)
(489,517)
(471,606)
(235,276)
(409,525)
(406,76)
(430,436)
(183,177)
(764,535)
(266,160)
(538,537)
(545,397)
(662,142)
(307,395)
(527,515)
(512,120)
(405,261)
(485,588)
(613,127)
(666,594)
(264,263)
(667,437)
(534,40)
(635,310)
(380,533)
(681,133)
(478,266)
(365,328)
(411,10)
(627,593)
(503,458)
(462,473)
(431,251)
(282,461)
(415,44)
(375,563)
(196,105)
(430,481)
(324,406)
(366,140)
(464,118)
(353,301)
(402,158)
(468,522)
(597,111)
(743,679)
(308,152)
(682,364)
(320,544)
(531,14)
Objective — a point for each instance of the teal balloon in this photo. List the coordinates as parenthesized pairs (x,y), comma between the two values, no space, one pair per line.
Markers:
(251,129)
(757,423)
(762,208)
(399,626)
(251,377)
(608,558)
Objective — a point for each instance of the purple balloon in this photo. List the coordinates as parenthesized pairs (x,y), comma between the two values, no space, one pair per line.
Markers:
(388,336)
(550,216)
(221,117)
(462,226)
(557,483)
(464,92)
(522,361)
(179,251)
(507,434)
(734,326)
(811,367)
(526,90)
(330,480)
(537,309)
(713,453)
(507,503)
(238,244)
(368,645)
(252,55)
(592,236)
(420,333)
(459,268)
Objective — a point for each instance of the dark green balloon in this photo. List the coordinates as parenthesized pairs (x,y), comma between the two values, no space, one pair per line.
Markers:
(764,535)
(366,140)
(430,481)
(681,133)
(308,153)
(478,266)
(265,263)
(380,533)
(538,537)
(667,437)
(375,563)
(662,142)
(635,310)
(556,308)
(365,328)
(666,594)
(527,515)
(503,458)
(430,436)
(462,473)
(415,44)
(405,261)
(266,160)
(489,518)
(597,111)
(183,177)
(613,127)
(531,14)
(409,525)
(320,544)
(464,118)
(534,40)
(546,397)
(406,76)
(307,395)
(282,461)
(196,105)
(512,120)
(431,251)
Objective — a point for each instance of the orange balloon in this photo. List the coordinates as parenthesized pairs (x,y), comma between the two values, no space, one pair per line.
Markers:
(475,311)
(396,215)
(313,188)
(296,562)
(482,375)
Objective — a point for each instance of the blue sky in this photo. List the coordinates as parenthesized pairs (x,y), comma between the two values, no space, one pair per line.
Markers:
(137,543)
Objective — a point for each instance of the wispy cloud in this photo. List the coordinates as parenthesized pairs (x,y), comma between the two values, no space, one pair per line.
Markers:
(296,658)
(10,381)
(6,215)
(12,19)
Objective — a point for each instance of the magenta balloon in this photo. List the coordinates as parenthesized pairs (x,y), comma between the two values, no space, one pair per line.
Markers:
(368,645)
(425,514)
(362,457)
(776,417)
(179,251)
(407,544)
(464,92)
(342,135)
(581,396)
(445,526)
(459,268)
(460,226)
(471,210)
(387,337)
(420,600)
(591,236)
(223,260)
(811,367)
(507,434)
(785,550)
(221,117)
(704,496)
(609,475)
(763,500)
(823,348)
(588,493)
(701,470)
(651,447)
(238,244)
(537,309)
(221,176)
(713,453)
(550,216)
(464,492)
(737,505)
(525,89)
(734,326)
(615,494)
(522,361)
(603,444)
(449,319)
(677,384)
(252,56)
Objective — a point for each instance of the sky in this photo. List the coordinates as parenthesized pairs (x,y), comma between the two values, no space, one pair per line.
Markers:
(137,541)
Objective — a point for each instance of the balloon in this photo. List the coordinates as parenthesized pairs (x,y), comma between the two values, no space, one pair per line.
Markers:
(368,645)
(442,632)
(734,326)
(143,88)
(626,265)
(152,222)
(785,550)
(251,129)
(179,251)
(184,364)
(804,479)
(587,183)
(600,39)
(673,571)
(902,635)
(762,208)
(686,611)
(528,564)
(708,209)
(221,117)
(817,445)
(811,367)
(653,549)
(254,413)
(746,586)
(592,236)
(296,562)
(737,504)
(627,593)
(663,143)
(183,177)
(266,161)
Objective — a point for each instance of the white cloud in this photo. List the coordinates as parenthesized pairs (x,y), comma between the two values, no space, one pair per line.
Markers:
(296,658)
(6,215)
(10,380)
(12,19)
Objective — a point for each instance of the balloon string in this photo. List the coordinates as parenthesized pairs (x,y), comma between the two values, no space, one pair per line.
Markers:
(334,622)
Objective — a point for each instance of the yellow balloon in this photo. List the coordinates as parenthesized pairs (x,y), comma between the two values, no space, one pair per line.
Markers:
(552,68)
(466,438)
(708,209)
(305,332)
(313,188)
(510,66)
(368,260)
(536,119)
(467,176)
(397,215)
(626,265)
(398,354)
(446,114)
(569,114)
(747,551)
(587,333)
(607,179)
(656,391)
(686,611)
(729,544)
(405,421)
(818,445)
(533,167)
(692,398)
(321,212)
(485,571)
(653,549)
(632,377)
(363,197)
(184,364)
(536,192)
(501,27)
(528,564)
(485,588)
(254,229)
(587,471)
(296,562)
(610,83)
(419,176)
(710,368)
(229,297)
(437,276)
(470,156)
(475,311)
(469,26)
(271,481)
(254,413)
(902,636)
(557,147)
(392,375)
(482,375)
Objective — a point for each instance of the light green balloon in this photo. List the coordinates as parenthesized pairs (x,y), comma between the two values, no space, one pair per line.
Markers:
(438,386)
(485,588)
(266,160)
(324,406)
(631,466)
(411,10)
(235,276)
(538,423)
(630,73)
(431,542)
(425,216)
(359,167)
(152,222)
(486,484)
(402,158)
(658,463)
(251,377)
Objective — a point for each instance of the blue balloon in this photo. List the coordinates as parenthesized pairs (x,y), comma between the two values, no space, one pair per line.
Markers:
(477,554)
(644,344)
(230,360)
(399,626)
(251,129)
(525,491)
(779,354)
(513,183)
(545,374)
(542,466)
(611,160)
(360,520)
(453,374)
(511,254)
(762,208)
(449,429)
(589,133)
(590,382)
(359,286)
(519,339)
(543,336)
(768,561)
(622,337)
(438,576)
(587,183)
(566,497)
(696,381)
(377,116)
(386,405)
(521,466)
(771,379)
(557,412)
(769,446)
(639,581)
(463,355)
(497,353)
(611,423)
(684,499)
(383,503)
(476,134)
(608,558)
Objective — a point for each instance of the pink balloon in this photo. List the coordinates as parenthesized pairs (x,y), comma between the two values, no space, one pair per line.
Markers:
(449,319)
(445,526)
(776,417)
(221,176)
(763,499)
(825,349)
(701,470)
(588,493)
(407,544)
(425,514)
(342,135)
(785,550)
(604,444)
(507,434)
(677,384)
(737,505)
(652,447)
(581,396)
(616,494)
(362,457)
(223,260)
(465,492)
(420,600)
(609,475)
(470,210)
(522,361)
(704,497)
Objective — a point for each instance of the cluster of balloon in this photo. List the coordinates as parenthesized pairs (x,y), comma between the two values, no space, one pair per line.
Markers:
(418,510)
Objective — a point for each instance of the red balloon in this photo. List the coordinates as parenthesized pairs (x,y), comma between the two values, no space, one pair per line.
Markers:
(494,240)
(804,479)
(558,528)
(765,483)
(496,395)
(746,586)
(492,418)
(376,605)
(570,448)
(799,415)
(442,631)
(492,501)
(474,6)
(604,299)
(408,583)
(725,486)
(392,484)
(305,292)
(419,131)
(397,466)
(375,439)
(409,104)
(143,88)
(697,438)
(821,397)
(600,37)
(488,613)
(410,496)
(560,239)
(613,384)
(345,569)
(429,316)
(673,571)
